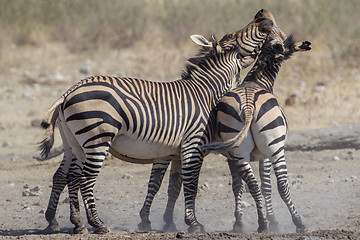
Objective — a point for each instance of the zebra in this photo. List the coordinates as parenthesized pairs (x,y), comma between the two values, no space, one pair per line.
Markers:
(102,114)
(252,126)
(175,181)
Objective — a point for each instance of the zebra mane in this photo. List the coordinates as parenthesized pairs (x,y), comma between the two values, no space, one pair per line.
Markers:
(269,57)
(201,58)
(269,61)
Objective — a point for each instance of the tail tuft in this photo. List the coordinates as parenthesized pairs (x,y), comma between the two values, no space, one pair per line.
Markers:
(45,146)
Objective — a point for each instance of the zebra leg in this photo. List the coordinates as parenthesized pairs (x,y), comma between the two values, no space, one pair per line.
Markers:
(157,174)
(73,188)
(284,191)
(191,164)
(265,170)
(95,156)
(58,185)
(238,188)
(247,174)
(175,183)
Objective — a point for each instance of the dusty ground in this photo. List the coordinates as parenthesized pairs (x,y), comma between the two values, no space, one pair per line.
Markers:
(326,193)
(325,185)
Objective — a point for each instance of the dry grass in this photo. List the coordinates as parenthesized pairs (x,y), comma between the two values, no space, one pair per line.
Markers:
(150,39)
(88,24)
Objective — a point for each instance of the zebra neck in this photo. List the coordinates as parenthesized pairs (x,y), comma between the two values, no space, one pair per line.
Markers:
(212,80)
(264,75)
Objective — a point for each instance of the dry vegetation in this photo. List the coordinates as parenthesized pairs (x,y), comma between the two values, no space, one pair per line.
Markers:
(150,39)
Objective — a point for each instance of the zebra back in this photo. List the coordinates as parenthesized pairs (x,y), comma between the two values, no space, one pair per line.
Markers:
(259,80)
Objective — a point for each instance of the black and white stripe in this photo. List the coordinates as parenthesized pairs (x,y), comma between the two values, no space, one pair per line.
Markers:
(252,126)
(142,122)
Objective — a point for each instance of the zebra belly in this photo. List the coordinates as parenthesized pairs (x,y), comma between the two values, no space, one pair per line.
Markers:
(135,150)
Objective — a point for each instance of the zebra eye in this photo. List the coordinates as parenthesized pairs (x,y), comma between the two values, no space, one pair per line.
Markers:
(230,35)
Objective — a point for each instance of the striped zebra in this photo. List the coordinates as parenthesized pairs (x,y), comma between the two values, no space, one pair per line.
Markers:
(144,122)
(175,181)
(252,127)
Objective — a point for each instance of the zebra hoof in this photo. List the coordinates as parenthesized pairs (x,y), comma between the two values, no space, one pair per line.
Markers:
(274,225)
(145,226)
(52,228)
(238,227)
(170,227)
(196,229)
(301,229)
(101,230)
(80,230)
(263,229)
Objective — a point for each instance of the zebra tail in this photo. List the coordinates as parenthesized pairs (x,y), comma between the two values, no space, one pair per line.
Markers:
(235,141)
(49,126)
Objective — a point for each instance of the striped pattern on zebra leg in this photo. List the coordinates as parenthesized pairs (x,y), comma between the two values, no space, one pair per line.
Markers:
(264,125)
(265,170)
(145,121)
(174,188)
(59,183)
(157,174)
(238,188)
(73,189)
(244,170)
(280,170)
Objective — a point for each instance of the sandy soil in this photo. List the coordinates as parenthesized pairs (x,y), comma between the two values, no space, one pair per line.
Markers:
(325,191)
(325,185)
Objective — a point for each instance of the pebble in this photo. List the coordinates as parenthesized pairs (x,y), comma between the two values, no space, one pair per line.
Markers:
(6,144)
(26,207)
(35,123)
(336,158)
(245,204)
(27,96)
(293,98)
(331,181)
(36,191)
(180,234)
(319,88)
(85,69)
(204,186)
(127,176)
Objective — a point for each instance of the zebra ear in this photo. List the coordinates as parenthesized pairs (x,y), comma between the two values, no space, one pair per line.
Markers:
(201,40)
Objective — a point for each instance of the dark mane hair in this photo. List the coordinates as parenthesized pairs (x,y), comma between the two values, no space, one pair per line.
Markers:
(267,60)
(201,58)
(267,57)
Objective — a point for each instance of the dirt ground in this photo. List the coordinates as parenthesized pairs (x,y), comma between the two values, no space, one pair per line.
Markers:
(324,188)
(325,185)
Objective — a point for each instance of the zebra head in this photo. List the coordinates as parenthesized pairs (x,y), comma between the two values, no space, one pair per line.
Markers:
(263,13)
(276,49)
(248,41)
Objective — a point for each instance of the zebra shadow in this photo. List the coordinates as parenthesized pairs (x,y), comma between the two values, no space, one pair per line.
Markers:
(23,232)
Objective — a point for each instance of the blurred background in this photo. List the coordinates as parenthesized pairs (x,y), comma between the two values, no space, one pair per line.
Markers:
(47,46)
